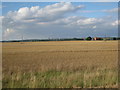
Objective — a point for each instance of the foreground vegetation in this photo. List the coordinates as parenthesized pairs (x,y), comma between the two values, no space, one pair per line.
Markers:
(62,79)
(67,64)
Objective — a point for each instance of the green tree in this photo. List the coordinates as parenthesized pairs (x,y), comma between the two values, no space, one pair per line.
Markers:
(89,38)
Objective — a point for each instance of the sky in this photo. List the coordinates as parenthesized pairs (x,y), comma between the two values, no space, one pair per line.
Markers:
(43,20)
(60,0)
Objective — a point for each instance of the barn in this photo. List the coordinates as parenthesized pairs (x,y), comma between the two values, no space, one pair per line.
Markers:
(97,38)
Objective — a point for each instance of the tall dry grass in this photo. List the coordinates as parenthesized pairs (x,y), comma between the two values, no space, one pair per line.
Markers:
(62,64)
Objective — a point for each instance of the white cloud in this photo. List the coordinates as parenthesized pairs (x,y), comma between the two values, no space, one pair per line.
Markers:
(1,17)
(7,32)
(114,10)
(89,21)
(115,23)
(52,21)
(60,1)
(94,27)
(50,12)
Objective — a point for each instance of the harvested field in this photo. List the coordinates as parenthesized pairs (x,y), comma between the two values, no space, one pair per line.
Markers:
(60,64)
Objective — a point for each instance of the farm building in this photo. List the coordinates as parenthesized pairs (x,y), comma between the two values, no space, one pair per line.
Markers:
(97,38)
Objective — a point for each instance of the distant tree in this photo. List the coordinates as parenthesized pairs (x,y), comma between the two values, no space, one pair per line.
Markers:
(89,38)
(114,38)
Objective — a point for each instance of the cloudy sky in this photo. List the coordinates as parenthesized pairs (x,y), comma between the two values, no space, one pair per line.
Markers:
(43,20)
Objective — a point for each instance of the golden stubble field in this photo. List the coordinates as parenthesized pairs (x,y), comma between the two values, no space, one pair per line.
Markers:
(60,64)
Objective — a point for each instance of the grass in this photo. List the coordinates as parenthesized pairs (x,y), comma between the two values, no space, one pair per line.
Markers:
(69,64)
(62,79)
